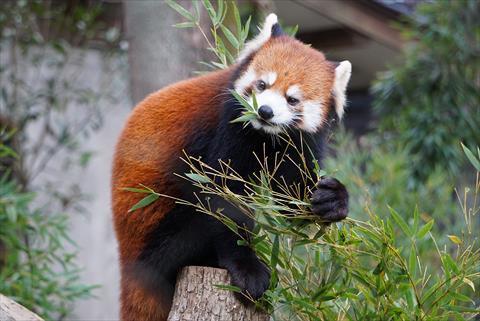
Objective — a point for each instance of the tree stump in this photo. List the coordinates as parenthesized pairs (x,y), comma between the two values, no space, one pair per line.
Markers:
(197,299)
(12,311)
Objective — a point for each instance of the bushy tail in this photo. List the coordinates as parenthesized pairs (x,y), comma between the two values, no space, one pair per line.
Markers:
(141,304)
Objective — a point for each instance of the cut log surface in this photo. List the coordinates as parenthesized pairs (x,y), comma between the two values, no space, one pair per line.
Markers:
(198,299)
(12,311)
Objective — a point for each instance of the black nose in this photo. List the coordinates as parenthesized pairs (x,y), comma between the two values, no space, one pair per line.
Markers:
(265,112)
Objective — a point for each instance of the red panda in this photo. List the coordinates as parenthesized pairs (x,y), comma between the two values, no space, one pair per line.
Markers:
(296,89)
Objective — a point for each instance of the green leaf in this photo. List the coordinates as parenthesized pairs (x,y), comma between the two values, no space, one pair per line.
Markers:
(238,20)
(231,37)
(416,220)
(198,178)
(181,10)
(222,10)
(461,297)
(254,102)
(425,229)
(244,118)
(246,30)
(412,261)
(230,224)
(275,251)
(400,222)
(187,24)
(147,200)
(12,213)
(449,263)
(136,190)
(473,160)
(211,11)
(242,101)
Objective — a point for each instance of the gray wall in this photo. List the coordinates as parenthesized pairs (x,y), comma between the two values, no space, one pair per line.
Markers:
(159,54)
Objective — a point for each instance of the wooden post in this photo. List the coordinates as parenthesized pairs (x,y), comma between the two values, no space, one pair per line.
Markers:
(12,311)
(197,299)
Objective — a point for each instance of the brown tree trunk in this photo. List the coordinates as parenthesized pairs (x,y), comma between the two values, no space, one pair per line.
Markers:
(160,54)
(12,311)
(198,299)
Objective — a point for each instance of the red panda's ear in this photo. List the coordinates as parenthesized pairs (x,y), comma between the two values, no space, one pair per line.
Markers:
(270,28)
(343,71)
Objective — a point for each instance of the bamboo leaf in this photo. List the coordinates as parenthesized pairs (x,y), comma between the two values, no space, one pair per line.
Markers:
(275,251)
(400,222)
(222,10)
(449,263)
(473,160)
(181,10)
(244,118)
(147,200)
(198,178)
(425,229)
(246,30)
(412,261)
(211,11)
(136,190)
(242,101)
(230,36)
(238,20)
(186,24)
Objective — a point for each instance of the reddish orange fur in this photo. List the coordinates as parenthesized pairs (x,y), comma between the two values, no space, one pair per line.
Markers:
(157,132)
(149,146)
(306,67)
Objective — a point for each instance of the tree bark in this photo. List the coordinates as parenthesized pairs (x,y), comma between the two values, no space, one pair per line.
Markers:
(12,311)
(197,299)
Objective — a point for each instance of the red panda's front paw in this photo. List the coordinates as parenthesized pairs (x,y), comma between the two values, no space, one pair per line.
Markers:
(330,200)
(252,276)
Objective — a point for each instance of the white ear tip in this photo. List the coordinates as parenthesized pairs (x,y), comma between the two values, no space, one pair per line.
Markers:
(271,19)
(345,67)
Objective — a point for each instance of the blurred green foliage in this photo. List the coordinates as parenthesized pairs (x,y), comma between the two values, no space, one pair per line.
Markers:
(36,269)
(379,177)
(431,101)
(52,107)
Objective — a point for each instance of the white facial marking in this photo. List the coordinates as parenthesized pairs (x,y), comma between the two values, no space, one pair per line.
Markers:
(245,80)
(295,92)
(268,129)
(270,78)
(264,35)
(312,116)
(282,114)
(342,76)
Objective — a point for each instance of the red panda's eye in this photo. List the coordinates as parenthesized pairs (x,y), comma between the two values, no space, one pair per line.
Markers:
(261,85)
(292,101)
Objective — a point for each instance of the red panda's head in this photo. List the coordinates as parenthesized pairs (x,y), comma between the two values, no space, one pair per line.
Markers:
(294,84)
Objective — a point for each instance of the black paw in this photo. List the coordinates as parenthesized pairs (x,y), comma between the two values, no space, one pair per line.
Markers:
(330,200)
(252,276)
